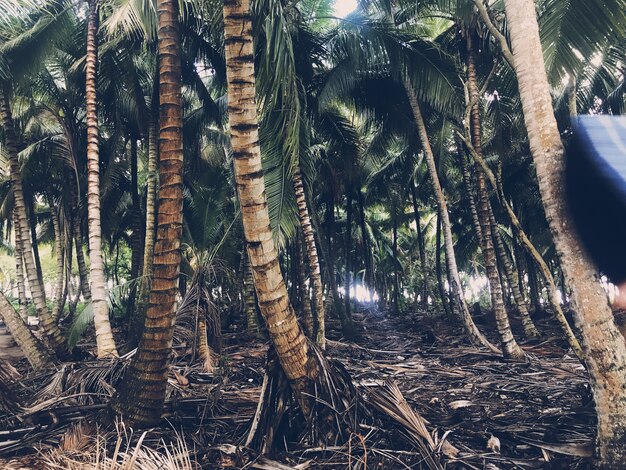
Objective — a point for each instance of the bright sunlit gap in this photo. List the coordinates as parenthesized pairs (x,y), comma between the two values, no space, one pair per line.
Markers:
(344,7)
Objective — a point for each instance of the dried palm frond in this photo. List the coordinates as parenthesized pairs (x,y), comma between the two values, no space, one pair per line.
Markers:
(136,456)
(389,400)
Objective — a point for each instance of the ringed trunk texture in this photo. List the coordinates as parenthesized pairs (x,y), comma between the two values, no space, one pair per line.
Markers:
(312,258)
(304,299)
(142,394)
(604,346)
(80,261)
(59,298)
(104,334)
(284,330)
(249,302)
(19,269)
(35,352)
(48,325)
(510,348)
(475,336)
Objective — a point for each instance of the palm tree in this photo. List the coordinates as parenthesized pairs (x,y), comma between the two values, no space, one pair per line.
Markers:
(104,334)
(604,346)
(35,352)
(287,337)
(141,395)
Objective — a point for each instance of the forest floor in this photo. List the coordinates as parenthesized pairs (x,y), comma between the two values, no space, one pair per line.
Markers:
(496,414)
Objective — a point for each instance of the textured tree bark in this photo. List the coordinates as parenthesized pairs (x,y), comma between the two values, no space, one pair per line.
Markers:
(142,393)
(60,256)
(289,341)
(49,326)
(367,253)
(510,348)
(136,243)
(19,268)
(603,344)
(104,334)
(474,334)
(313,260)
(32,226)
(35,352)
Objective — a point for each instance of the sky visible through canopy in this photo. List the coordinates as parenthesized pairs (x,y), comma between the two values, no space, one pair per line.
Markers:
(344,7)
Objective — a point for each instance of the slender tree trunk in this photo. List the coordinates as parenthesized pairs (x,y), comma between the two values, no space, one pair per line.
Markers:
(347,282)
(60,255)
(367,254)
(290,343)
(136,243)
(396,274)
(510,348)
(604,346)
(35,352)
(80,261)
(457,289)
(313,260)
(534,290)
(142,394)
(48,324)
(150,231)
(421,244)
(305,299)
(19,269)
(104,334)
(513,279)
(438,269)
(32,225)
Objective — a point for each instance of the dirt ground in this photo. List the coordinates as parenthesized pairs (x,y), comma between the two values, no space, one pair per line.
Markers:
(495,414)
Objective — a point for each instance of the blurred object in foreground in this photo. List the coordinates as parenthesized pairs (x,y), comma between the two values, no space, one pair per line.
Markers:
(596,190)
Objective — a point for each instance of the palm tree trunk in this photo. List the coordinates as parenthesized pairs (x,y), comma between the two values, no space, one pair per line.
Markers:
(19,269)
(421,244)
(142,393)
(534,290)
(48,324)
(136,243)
(313,260)
(438,269)
(35,352)
(604,346)
(396,274)
(104,334)
(474,334)
(367,254)
(80,261)
(60,255)
(510,348)
(305,299)
(348,246)
(289,341)
(32,226)
(512,277)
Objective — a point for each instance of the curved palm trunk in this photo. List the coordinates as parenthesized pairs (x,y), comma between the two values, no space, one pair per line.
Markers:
(287,337)
(319,333)
(457,289)
(510,348)
(104,334)
(35,352)
(19,269)
(49,326)
(142,393)
(438,268)
(305,300)
(604,346)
